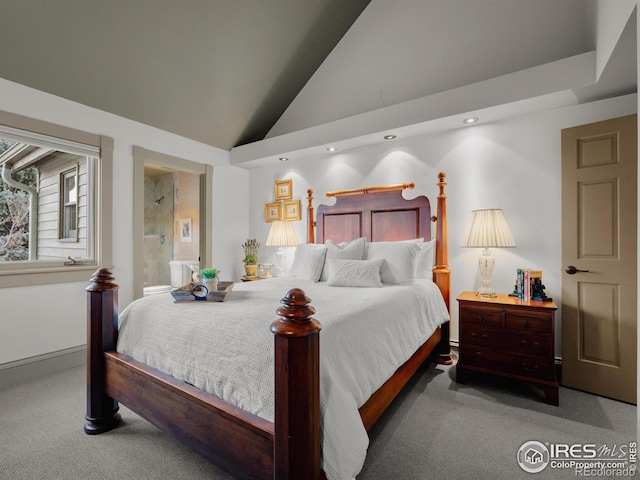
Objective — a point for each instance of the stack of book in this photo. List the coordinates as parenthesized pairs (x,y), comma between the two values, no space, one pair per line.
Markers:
(524,282)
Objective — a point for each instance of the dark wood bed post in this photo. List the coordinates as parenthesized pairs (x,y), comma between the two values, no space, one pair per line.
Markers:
(441,272)
(311,223)
(102,334)
(297,390)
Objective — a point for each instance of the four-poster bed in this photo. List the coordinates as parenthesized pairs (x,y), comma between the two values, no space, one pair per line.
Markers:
(241,442)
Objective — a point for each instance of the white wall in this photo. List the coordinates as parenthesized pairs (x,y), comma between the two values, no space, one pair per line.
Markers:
(511,164)
(611,17)
(38,320)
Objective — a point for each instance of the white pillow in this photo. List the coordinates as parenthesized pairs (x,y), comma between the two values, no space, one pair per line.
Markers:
(345,251)
(308,261)
(354,273)
(399,265)
(425,260)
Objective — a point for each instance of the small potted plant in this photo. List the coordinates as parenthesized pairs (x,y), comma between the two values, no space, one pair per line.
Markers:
(209,277)
(250,260)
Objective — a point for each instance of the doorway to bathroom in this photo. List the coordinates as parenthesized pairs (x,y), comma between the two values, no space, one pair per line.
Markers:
(172,219)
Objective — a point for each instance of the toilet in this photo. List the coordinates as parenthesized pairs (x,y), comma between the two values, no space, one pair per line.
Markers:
(180,275)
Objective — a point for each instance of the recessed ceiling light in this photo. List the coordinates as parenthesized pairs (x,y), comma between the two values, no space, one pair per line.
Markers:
(283,159)
(332,149)
(389,137)
(470,120)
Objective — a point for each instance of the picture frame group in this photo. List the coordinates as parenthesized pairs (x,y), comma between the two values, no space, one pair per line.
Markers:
(284,208)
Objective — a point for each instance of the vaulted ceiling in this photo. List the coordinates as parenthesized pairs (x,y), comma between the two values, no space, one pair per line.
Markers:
(231,72)
(217,71)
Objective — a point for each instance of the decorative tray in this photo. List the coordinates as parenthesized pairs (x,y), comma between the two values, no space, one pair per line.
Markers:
(185,293)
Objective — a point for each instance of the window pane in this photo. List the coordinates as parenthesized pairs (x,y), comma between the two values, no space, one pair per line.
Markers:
(54,185)
(70,191)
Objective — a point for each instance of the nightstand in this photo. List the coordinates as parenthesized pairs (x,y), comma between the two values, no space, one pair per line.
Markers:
(510,337)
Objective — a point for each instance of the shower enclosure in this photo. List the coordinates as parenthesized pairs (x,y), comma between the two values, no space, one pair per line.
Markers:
(171,200)
(158,228)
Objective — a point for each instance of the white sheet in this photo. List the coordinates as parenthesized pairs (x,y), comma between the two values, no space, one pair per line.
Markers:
(367,333)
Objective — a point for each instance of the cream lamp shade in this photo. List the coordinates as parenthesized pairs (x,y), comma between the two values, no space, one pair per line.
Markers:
(487,228)
(281,235)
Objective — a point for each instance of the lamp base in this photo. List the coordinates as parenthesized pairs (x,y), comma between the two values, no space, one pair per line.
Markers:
(486,265)
(279,261)
(486,292)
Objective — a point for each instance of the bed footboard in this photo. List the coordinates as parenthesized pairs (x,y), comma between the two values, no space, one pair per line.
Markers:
(242,443)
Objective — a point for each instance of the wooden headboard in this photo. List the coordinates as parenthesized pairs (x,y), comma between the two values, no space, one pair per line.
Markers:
(383,214)
(375,213)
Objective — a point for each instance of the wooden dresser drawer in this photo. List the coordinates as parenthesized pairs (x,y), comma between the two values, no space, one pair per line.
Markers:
(480,316)
(521,365)
(520,343)
(528,322)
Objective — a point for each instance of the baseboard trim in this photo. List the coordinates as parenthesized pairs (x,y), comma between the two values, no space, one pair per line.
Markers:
(32,368)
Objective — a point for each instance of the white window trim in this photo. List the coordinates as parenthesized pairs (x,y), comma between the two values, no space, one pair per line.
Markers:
(41,272)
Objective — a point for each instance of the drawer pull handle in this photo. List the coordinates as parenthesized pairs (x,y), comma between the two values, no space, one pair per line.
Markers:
(480,319)
(474,334)
(525,323)
(524,342)
(529,369)
(479,354)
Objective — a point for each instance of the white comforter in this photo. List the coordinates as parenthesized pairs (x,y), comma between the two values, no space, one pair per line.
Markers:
(227,349)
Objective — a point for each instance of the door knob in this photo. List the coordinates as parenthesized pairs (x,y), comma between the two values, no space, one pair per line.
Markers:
(571,270)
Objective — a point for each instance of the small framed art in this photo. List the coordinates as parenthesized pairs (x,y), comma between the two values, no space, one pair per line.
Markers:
(284,189)
(272,211)
(292,211)
(186,235)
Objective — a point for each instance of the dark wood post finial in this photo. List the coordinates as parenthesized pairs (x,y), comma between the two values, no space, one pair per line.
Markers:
(294,316)
(102,280)
(297,389)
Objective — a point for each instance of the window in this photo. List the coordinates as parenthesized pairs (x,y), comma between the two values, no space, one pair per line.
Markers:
(69,205)
(55,202)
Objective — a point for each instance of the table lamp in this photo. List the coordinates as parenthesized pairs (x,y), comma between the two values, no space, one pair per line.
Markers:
(281,235)
(487,228)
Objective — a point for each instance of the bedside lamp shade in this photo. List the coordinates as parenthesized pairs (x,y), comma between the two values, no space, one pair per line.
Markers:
(281,235)
(487,228)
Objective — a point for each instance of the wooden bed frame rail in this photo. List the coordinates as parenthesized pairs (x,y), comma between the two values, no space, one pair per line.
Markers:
(242,443)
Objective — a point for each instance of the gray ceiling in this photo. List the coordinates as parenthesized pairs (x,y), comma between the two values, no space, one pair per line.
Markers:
(217,71)
(224,72)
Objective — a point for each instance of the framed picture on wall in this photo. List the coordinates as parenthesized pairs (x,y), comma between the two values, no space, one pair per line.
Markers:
(284,189)
(292,211)
(272,211)
(186,233)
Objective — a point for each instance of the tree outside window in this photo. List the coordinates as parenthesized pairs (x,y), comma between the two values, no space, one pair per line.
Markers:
(14,213)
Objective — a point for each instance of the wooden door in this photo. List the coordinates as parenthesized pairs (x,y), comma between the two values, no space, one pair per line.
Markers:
(599,238)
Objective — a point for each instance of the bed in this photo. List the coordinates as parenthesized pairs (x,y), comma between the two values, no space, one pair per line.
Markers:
(284,439)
